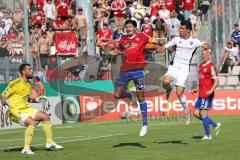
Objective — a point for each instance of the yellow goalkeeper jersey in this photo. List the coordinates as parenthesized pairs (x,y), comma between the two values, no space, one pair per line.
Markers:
(18,92)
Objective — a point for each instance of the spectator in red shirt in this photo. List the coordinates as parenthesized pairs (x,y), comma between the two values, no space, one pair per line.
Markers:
(103,36)
(62,8)
(38,17)
(155,7)
(170,5)
(40,4)
(119,9)
(147,27)
(58,24)
(189,5)
(11,35)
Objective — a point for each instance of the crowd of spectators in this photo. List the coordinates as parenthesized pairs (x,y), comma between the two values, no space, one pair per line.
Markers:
(231,56)
(156,18)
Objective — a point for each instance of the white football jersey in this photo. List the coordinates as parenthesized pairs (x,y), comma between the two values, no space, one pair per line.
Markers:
(185,49)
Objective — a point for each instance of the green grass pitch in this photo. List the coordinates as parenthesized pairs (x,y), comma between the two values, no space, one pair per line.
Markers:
(119,140)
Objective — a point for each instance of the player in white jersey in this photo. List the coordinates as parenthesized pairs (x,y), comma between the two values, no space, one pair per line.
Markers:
(178,69)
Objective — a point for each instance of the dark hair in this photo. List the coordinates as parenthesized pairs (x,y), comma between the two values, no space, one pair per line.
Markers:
(187,24)
(105,24)
(37,78)
(23,66)
(134,23)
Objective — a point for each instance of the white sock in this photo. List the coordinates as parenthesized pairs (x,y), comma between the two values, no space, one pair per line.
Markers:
(183,101)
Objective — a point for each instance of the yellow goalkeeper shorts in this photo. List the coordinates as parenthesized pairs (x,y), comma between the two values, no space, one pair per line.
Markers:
(19,116)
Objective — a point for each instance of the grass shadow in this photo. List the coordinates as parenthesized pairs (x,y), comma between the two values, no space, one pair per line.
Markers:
(129,144)
(196,137)
(172,142)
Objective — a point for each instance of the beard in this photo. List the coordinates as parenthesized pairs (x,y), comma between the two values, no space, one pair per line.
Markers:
(130,33)
(29,76)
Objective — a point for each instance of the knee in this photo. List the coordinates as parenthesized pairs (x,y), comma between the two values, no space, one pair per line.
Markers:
(179,94)
(46,117)
(166,84)
(141,99)
(197,115)
(32,123)
(117,96)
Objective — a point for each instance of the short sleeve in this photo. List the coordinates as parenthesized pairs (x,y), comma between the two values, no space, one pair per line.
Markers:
(120,44)
(214,72)
(198,43)
(171,43)
(9,90)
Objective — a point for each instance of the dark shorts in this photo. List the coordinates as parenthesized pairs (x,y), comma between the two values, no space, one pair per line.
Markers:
(203,103)
(44,59)
(137,76)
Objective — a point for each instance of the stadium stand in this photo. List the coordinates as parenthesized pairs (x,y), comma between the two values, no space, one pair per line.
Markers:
(54,16)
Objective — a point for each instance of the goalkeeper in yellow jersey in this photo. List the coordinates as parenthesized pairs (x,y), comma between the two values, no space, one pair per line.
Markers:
(18,92)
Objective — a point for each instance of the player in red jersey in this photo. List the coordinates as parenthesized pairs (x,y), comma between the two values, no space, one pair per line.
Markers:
(147,27)
(208,82)
(132,47)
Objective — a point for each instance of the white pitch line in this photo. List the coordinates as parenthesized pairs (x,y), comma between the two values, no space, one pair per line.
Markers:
(10,132)
(67,141)
(153,124)
(156,123)
(19,139)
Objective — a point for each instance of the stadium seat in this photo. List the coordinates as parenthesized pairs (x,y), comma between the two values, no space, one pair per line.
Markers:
(232,81)
(222,80)
(235,71)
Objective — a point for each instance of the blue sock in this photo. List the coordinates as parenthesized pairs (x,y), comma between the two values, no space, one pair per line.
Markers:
(127,95)
(143,108)
(206,125)
(210,121)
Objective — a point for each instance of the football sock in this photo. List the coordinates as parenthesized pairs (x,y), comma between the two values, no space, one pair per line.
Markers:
(211,122)
(206,126)
(47,128)
(28,136)
(143,108)
(183,101)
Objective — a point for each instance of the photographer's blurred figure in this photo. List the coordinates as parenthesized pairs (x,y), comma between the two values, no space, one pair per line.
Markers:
(231,57)
(38,90)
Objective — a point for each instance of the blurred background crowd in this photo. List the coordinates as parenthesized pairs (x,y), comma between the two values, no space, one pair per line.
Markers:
(47,18)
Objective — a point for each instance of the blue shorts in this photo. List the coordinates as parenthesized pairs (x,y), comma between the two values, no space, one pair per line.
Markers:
(203,103)
(137,76)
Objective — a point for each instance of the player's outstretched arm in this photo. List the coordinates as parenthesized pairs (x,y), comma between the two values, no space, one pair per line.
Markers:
(160,47)
(159,44)
(111,51)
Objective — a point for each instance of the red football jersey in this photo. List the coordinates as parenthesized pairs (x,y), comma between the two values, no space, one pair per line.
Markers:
(207,72)
(133,51)
(105,35)
(170,5)
(154,10)
(62,7)
(40,4)
(38,18)
(188,4)
(119,8)
(147,29)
